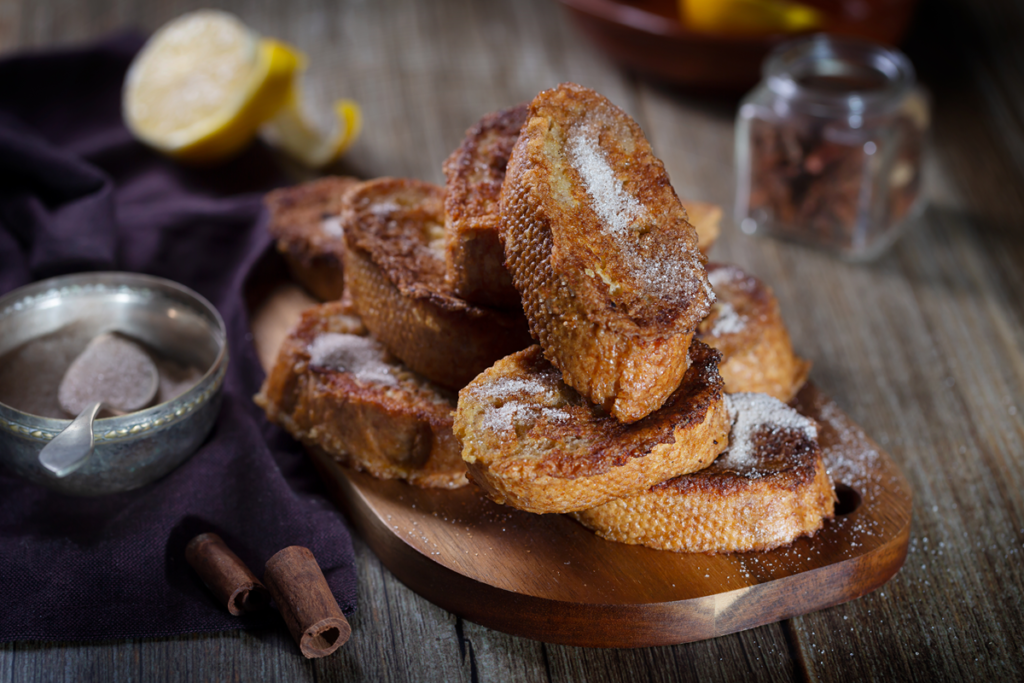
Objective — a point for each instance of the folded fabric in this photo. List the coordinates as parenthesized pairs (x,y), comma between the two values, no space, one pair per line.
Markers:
(78,193)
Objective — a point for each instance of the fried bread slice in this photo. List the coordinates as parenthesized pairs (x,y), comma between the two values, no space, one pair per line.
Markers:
(769,488)
(304,221)
(394,269)
(532,442)
(600,249)
(746,326)
(474,173)
(335,388)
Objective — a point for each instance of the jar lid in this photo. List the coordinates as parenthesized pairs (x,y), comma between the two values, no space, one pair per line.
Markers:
(838,73)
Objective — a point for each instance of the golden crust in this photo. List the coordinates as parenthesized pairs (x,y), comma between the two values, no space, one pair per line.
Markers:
(600,250)
(395,272)
(534,443)
(304,221)
(400,429)
(474,258)
(706,219)
(746,326)
(779,492)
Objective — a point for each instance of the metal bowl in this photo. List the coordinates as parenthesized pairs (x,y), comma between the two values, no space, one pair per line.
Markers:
(131,450)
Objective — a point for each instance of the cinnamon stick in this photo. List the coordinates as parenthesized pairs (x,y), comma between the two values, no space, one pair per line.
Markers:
(226,575)
(305,601)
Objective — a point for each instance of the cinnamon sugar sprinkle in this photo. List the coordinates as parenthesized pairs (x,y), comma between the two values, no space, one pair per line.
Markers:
(504,418)
(723,275)
(540,399)
(674,273)
(729,321)
(616,208)
(361,357)
(332,226)
(504,388)
(752,413)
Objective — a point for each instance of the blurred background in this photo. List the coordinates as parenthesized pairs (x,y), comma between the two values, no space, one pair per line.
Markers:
(507,51)
(922,348)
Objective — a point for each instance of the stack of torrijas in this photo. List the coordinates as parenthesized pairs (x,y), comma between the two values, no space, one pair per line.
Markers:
(371,379)
(610,416)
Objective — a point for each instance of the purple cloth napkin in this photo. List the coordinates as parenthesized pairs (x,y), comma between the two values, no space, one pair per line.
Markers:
(78,193)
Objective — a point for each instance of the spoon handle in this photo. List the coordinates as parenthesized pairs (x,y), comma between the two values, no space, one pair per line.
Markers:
(71,448)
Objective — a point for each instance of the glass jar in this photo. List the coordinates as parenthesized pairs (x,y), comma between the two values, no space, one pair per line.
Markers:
(829,144)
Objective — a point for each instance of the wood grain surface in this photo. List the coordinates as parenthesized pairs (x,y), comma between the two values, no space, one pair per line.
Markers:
(923,348)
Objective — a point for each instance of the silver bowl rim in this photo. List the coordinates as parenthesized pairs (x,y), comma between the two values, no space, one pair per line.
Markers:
(138,423)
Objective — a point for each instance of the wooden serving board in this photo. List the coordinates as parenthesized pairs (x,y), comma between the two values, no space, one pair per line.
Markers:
(548,578)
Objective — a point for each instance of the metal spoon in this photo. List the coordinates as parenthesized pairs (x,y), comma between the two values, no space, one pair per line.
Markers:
(71,448)
(112,372)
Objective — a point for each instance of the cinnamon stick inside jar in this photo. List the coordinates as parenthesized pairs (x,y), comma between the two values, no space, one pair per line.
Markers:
(305,602)
(829,146)
(226,575)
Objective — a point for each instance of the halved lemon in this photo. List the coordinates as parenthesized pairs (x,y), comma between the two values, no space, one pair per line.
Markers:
(204,84)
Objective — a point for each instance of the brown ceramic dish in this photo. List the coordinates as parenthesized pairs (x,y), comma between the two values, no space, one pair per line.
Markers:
(647,37)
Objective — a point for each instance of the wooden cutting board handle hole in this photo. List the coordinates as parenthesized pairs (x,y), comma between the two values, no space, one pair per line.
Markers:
(849,500)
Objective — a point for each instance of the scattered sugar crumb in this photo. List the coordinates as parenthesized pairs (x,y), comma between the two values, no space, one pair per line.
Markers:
(332,226)
(729,321)
(383,210)
(722,275)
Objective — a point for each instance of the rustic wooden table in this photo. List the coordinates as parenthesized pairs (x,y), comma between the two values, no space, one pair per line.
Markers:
(924,348)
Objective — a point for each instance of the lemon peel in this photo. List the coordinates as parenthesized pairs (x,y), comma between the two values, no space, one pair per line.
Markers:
(293,131)
(749,17)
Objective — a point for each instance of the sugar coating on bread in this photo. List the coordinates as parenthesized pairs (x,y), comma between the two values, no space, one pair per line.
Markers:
(474,173)
(338,390)
(533,442)
(752,414)
(746,325)
(395,271)
(600,249)
(362,357)
(305,222)
(769,488)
